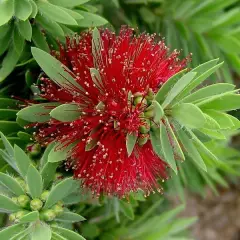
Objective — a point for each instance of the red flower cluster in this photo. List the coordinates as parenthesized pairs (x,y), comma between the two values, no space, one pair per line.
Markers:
(115,100)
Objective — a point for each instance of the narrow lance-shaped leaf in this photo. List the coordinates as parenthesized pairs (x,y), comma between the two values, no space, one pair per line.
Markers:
(166,87)
(130,142)
(70,217)
(34,181)
(37,112)
(68,234)
(22,160)
(176,146)
(11,184)
(66,112)
(30,217)
(191,149)
(208,91)
(199,79)
(7,205)
(59,73)
(41,231)
(59,191)
(167,148)
(178,88)
(189,115)
(9,232)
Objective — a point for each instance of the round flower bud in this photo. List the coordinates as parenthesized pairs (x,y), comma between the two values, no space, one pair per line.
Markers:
(44,195)
(140,100)
(149,114)
(15,200)
(36,204)
(143,138)
(23,200)
(12,217)
(48,215)
(145,127)
(20,214)
(57,209)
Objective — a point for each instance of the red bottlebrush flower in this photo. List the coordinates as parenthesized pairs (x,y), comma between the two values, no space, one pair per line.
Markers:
(119,76)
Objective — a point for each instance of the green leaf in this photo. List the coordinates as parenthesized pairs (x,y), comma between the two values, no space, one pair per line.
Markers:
(130,142)
(213,133)
(7,145)
(34,9)
(188,114)
(59,153)
(228,44)
(158,110)
(167,148)
(23,9)
(54,69)
(52,27)
(90,19)
(18,41)
(176,146)
(167,86)
(127,209)
(6,11)
(11,184)
(24,136)
(209,91)
(59,191)
(202,147)
(37,112)
(156,142)
(73,13)
(96,77)
(30,217)
(221,118)
(39,39)
(191,150)
(70,217)
(34,182)
(66,112)
(55,13)
(8,114)
(11,231)
(8,103)
(48,173)
(22,160)
(41,231)
(9,127)
(203,71)
(178,88)
(68,234)
(69,3)
(223,103)
(22,234)
(25,29)
(211,123)
(9,62)
(7,205)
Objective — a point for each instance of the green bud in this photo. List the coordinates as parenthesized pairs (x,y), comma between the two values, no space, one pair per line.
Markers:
(36,204)
(60,203)
(44,195)
(54,224)
(57,209)
(34,149)
(20,214)
(12,217)
(145,127)
(149,114)
(23,201)
(150,95)
(48,215)
(15,200)
(140,100)
(143,138)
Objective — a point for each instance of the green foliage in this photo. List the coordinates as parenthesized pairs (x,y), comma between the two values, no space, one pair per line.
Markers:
(31,23)
(30,215)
